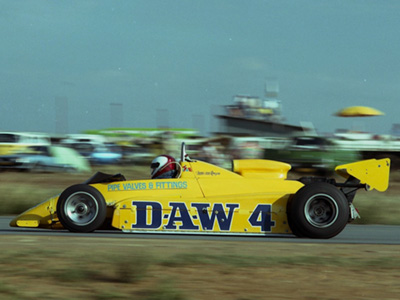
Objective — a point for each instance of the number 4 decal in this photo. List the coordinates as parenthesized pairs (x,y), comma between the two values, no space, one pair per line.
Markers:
(261,216)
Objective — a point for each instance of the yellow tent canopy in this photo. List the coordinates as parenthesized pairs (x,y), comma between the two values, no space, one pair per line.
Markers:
(358,111)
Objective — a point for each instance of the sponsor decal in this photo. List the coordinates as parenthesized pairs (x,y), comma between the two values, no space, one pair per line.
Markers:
(151,215)
(186,169)
(154,185)
(210,173)
(261,217)
(207,220)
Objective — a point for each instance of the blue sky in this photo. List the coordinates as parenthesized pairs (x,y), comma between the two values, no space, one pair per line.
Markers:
(177,62)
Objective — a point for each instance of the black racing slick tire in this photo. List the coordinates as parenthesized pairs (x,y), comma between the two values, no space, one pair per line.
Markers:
(318,210)
(81,208)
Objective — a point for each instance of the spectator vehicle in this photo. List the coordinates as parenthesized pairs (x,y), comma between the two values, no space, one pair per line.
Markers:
(44,159)
(312,153)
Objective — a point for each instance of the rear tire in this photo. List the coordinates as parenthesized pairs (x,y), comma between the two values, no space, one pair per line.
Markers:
(81,208)
(318,210)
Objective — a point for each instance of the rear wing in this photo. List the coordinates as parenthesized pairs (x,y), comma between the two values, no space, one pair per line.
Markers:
(373,173)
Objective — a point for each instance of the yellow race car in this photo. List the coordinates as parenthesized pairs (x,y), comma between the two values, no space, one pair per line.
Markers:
(254,198)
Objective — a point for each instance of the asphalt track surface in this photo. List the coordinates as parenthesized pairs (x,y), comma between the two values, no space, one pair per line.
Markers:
(352,234)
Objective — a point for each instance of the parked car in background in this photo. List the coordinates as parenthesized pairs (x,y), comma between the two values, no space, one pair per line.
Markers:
(312,153)
(95,153)
(106,154)
(138,154)
(45,159)
(11,142)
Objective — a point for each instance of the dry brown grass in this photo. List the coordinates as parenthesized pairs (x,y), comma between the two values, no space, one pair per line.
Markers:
(92,268)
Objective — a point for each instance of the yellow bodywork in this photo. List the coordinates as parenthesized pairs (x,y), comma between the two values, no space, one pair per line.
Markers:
(205,198)
(374,173)
(42,215)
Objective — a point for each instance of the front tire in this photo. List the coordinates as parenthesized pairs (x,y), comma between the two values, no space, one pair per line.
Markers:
(318,210)
(81,208)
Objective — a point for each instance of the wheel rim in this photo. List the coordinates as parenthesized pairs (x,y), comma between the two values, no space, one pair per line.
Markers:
(321,210)
(81,208)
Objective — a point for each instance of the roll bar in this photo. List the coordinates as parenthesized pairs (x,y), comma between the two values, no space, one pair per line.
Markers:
(184,156)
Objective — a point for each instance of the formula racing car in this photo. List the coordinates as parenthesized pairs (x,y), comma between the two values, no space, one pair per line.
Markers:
(255,198)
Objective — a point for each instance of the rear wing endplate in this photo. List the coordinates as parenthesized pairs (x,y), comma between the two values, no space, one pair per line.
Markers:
(374,173)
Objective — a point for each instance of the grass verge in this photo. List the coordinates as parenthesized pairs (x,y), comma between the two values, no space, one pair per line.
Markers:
(94,268)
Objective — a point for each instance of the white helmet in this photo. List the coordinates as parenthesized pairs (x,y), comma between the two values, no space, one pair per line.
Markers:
(163,166)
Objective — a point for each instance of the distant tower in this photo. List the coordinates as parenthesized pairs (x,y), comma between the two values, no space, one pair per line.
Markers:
(116,115)
(271,99)
(198,123)
(271,88)
(61,104)
(162,118)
